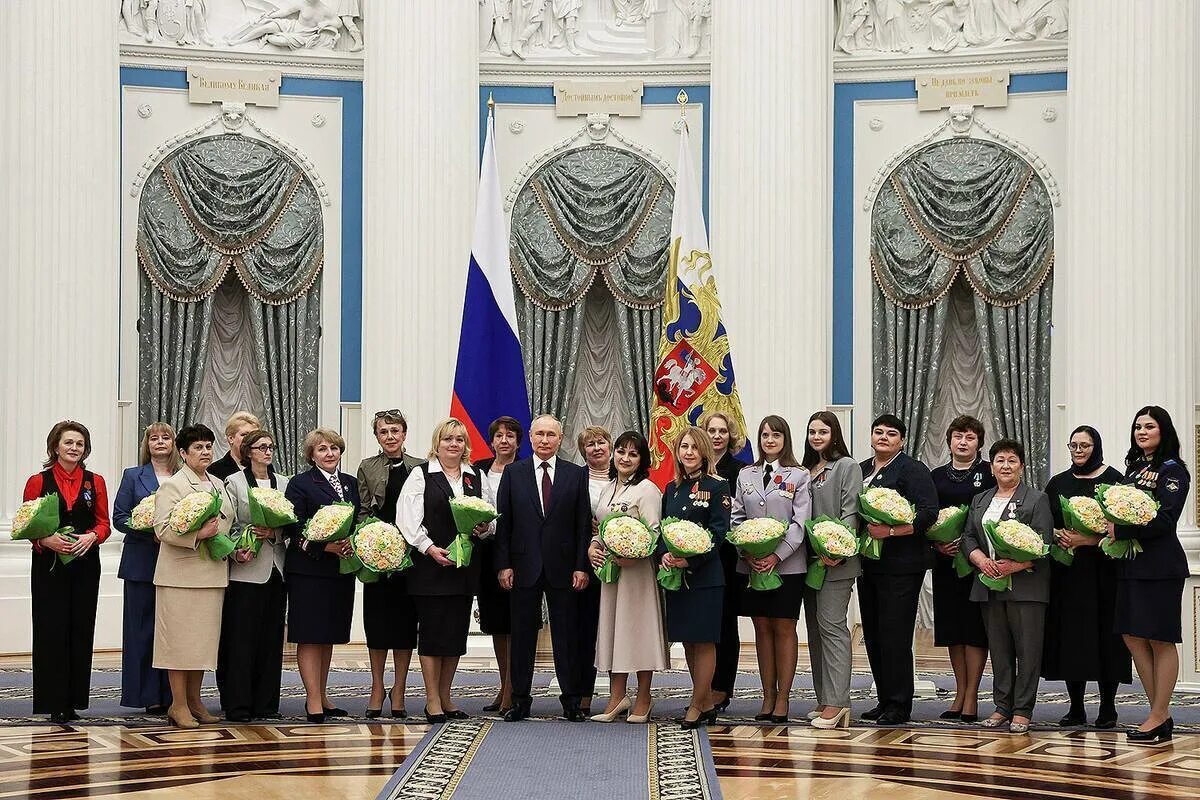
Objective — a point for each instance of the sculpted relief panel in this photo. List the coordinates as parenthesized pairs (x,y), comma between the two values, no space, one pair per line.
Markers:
(867,27)
(279,26)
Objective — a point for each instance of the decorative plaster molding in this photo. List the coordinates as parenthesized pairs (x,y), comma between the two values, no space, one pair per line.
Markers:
(653,74)
(1023,58)
(329,66)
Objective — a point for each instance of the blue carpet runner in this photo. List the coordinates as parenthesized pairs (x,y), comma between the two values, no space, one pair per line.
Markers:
(482,759)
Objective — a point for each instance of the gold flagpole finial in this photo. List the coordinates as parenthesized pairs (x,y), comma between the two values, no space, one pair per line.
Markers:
(682,99)
(491,103)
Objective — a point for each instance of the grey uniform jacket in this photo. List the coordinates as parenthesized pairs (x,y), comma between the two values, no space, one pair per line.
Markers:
(787,499)
(1031,507)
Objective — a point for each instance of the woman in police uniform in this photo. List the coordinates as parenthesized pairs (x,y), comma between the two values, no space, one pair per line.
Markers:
(1150,587)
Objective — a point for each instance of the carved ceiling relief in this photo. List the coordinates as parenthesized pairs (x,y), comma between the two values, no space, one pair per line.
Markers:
(886,27)
(269,26)
(612,30)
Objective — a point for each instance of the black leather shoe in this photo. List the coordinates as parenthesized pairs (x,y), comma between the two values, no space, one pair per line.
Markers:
(970,719)
(576,715)
(892,718)
(779,719)
(1156,735)
(238,716)
(762,717)
(492,707)
(156,711)
(316,718)
(875,713)
(710,716)
(59,718)
(336,712)
(722,706)
(73,716)
(1072,720)
(518,712)
(691,724)
(954,715)
(1106,723)
(457,713)
(433,719)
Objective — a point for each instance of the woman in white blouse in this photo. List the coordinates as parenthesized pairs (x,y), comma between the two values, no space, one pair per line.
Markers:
(595,445)
(441,591)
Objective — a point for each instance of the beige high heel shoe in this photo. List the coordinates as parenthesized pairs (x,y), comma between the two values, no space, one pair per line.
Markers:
(842,720)
(181,718)
(641,719)
(611,716)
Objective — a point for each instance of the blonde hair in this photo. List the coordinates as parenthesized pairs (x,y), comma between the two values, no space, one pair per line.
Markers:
(318,435)
(737,437)
(238,419)
(708,459)
(450,425)
(592,432)
(144,452)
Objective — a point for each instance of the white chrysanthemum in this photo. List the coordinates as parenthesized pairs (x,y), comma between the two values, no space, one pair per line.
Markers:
(273,500)
(142,516)
(891,503)
(328,522)
(761,529)
(1020,536)
(687,537)
(1130,504)
(28,510)
(189,509)
(947,513)
(837,540)
(473,503)
(380,546)
(1090,514)
(627,537)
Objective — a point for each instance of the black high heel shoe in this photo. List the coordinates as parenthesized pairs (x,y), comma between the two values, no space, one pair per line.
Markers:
(433,719)
(397,713)
(1156,735)
(692,724)
(316,719)
(375,713)
(722,706)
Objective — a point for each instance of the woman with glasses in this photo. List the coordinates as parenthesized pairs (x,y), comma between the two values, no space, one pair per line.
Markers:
(1081,645)
(389,615)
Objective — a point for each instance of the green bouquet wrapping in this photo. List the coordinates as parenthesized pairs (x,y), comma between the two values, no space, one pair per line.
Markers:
(468,513)
(623,536)
(949,528)
(758,538)
(269,508)
(378,549)
(247,539)
(830,538)
(1125,505)
(1012,540)
(883,507)
(190,515)
(1082,515)
(683,539)
(36,518)
(331,523)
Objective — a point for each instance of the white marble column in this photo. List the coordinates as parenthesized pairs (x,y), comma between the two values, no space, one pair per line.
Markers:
(421,168)
(771,200)
(58,222)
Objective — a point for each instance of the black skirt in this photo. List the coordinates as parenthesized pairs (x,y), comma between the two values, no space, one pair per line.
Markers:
(781,603)
(319,608)
(495,609)
(956,620)
(1150,609)
(1080,642)
(443,621)
(389,614)
(694,615)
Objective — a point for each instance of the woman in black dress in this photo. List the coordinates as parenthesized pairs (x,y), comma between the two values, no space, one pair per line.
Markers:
(1080,643)
(1150,587)
(693,612)
(957,622)
(727,438)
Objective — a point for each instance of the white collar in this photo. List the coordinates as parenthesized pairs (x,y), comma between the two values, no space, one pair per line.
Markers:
(329,476)
(552,461)
(436,466)
(774,465)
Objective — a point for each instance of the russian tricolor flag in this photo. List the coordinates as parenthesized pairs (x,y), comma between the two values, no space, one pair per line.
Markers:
(489,380)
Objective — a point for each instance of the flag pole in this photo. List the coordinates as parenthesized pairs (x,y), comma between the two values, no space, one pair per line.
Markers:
(682,99)
(491,104)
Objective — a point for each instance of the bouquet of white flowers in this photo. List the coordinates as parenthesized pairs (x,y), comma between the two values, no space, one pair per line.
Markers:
(623,536)
(269,508)
(883,507)
(758,538)
(191,513)
(468,513)
(142,516)
(949,528)
(830,538)
(36,518)
(1012,540)
(1082,515)
(1125,505)
(331,523)
(683,539)
(379,549)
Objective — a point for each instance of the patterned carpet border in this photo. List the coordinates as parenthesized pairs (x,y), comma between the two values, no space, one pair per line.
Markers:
(680,764)
(435,767)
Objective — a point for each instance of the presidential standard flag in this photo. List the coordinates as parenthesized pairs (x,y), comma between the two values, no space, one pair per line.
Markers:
(695,368)
(489,379)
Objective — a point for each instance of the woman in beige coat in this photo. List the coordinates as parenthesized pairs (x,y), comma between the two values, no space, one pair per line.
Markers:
(189,587)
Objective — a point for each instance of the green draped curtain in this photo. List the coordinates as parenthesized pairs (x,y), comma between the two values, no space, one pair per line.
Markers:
(965,209)
(220,204)
(594,213)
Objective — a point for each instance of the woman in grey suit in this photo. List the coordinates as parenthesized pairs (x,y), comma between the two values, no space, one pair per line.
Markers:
(775,486)
(836,482)
(250,660)
(1015,619)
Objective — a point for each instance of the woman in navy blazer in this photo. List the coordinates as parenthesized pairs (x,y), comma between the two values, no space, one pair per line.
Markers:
(142,686)
(320,599)
(693,612)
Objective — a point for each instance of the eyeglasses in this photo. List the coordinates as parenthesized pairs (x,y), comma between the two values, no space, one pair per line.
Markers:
(1078,448)
(391,412)
(263,448)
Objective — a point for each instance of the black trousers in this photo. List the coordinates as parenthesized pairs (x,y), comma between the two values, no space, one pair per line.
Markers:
(250,658)
(729,649)
(889,616)
(589,626)
(64,626)
(564,633)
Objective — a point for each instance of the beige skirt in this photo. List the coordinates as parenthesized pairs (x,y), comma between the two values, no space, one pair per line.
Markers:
(187,627)
(630,636)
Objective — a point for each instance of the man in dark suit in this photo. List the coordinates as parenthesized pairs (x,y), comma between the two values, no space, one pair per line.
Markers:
(541,548)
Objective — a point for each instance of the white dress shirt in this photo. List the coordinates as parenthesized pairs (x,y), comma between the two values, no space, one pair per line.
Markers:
(329,476)
(537,477)
(410,506)
(994,512)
